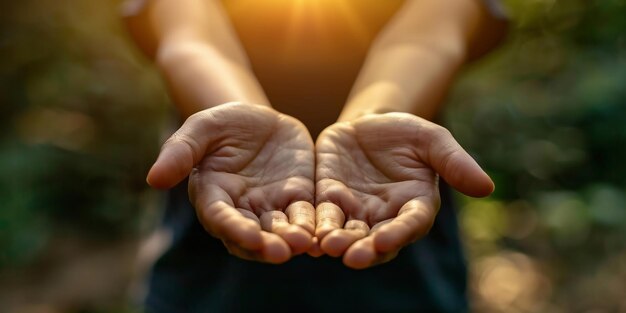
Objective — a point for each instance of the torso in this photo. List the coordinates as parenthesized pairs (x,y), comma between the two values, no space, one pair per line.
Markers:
(307,53)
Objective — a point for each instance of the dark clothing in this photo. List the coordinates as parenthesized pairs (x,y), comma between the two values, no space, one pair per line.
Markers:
(198,275)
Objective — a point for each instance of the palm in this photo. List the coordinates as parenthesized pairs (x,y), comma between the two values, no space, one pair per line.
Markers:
(377,186)
(371,178)
(263,162)
(253,179)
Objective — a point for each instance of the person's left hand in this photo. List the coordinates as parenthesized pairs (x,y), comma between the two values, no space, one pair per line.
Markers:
(377,184)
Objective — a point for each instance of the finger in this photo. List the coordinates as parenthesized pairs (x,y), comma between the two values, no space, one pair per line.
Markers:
(250,215)
(227,223)
(361,254)
(235,250)
(338,240)
(275,250)
(328,218)
(455,165)
(272,220)
(414,220)
(315,250)
(182,151)
(382,258)
(379,224)
(302,213)
(298,239)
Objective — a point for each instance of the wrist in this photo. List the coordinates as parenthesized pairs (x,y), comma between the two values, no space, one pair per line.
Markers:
(360,106)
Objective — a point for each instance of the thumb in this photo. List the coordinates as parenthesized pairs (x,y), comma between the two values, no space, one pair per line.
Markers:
(455,165)
(181,152)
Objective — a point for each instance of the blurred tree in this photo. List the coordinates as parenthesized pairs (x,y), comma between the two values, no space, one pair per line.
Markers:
(548,123)
(79,125)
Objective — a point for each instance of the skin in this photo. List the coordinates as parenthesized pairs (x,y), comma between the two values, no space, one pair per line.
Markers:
(377,185)
(251,168)
(251,179)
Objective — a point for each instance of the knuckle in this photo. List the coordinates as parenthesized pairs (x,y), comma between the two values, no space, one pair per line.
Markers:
(197,117)
(180,137)
(438,130)
(431,133)
(188,141)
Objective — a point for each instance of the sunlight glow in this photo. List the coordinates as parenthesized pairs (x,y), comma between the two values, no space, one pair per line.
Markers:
(323,22)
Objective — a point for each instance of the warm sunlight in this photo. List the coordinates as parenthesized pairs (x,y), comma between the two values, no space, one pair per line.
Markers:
(326,24)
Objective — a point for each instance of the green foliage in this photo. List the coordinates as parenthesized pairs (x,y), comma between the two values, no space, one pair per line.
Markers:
(547,120)
(79,125)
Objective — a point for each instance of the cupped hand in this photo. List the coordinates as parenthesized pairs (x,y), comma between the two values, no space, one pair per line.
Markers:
(377,184)
(251,172)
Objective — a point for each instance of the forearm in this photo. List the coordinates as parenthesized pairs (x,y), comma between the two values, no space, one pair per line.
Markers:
(197,50)
(413,62)
(199,76)
(411,79)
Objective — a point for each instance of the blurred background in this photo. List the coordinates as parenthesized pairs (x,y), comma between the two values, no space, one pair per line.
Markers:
(81,113)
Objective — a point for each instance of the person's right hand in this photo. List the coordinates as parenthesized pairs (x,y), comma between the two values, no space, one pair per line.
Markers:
(251,178)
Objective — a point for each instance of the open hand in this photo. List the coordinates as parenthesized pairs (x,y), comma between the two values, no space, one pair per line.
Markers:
(377,184)
(251,175)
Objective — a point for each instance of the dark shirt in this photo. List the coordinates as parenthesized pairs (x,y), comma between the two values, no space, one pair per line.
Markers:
(198,275)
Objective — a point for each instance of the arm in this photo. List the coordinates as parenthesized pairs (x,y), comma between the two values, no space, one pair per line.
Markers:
(250,168)
(196,48)
(413,62)
(377,172)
